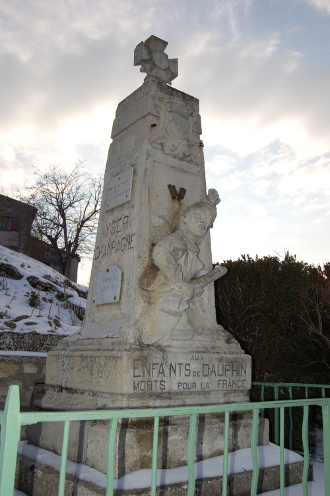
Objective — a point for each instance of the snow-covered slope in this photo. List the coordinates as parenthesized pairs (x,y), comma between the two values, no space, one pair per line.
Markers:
(36,298)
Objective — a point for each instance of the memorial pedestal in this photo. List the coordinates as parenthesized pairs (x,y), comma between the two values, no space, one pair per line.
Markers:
(143,376)
(134,440)
(150,336)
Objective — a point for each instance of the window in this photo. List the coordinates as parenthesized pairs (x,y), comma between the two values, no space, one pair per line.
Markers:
(4,223)
(9,223)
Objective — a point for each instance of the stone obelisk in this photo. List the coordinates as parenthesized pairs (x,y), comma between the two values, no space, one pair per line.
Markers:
(150,336)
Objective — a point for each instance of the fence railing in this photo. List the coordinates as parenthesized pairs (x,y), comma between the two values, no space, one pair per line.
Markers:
(12,419)
(288,390)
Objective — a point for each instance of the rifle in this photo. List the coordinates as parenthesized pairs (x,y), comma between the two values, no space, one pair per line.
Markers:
(213,275)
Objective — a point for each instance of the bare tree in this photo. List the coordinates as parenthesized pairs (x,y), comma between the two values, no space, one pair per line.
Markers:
(68,204)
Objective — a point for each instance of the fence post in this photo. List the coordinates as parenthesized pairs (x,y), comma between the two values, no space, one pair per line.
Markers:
(291,421)
(254,452)
(282,413)
(10,435)
(306,450)
(326,447)
(190,454)
(276,415)
(64,457)
(110,456)
(154,457)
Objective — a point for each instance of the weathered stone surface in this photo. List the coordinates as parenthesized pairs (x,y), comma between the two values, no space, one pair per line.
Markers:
(41,285)
(23,371)
(129,232)
(30,368)
(21,317)
(8,270)
(26,371)
(140,378)
(134,440)
(10,324)
(150,55)
(150,336)
(6,369)
(29,341)
(99,359)
(36,479)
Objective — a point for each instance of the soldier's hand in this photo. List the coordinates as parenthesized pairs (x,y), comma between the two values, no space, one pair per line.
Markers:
(182,287)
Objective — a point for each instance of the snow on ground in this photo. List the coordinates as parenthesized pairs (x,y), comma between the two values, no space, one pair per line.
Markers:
(316,437)
(315,488)
(238,461)
(39,299)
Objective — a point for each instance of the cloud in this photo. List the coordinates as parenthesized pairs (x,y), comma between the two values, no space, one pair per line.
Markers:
(61,62)
(260,70)
(322,5)
(272,201)
(262,95)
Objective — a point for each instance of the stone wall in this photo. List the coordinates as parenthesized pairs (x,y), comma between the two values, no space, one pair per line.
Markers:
(30,341)
(25,371)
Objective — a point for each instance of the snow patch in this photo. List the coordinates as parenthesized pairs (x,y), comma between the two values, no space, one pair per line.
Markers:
(23,353)
(315,487)
(48,314)
(238,461)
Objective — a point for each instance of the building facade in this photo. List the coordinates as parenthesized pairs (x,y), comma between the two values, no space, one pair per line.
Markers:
(16,219)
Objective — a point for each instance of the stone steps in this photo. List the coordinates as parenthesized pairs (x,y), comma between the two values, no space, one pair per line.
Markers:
(36,479)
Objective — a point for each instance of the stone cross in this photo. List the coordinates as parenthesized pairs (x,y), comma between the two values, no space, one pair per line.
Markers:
(152,59)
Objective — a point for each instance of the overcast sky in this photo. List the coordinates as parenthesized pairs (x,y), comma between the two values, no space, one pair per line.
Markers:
(260,68)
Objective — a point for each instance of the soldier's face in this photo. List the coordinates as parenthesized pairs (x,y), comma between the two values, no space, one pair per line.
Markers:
(197,222)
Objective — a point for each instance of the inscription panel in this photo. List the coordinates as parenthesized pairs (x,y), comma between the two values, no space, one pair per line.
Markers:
(148,374)
(107,285)
(119,189)
(191,373)
(92,371)
(118,238)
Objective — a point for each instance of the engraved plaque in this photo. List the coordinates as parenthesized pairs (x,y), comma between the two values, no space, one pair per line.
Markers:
(119,188)
(186,372)
(107,285)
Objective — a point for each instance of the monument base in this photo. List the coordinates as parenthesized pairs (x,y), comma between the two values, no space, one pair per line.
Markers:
(36,479)
(116,375)
(134,440)
(85,377)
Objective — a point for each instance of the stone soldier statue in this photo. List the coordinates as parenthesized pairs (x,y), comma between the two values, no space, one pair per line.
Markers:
(177,274)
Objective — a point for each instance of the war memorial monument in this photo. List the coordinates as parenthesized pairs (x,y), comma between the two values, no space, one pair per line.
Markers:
(150,336)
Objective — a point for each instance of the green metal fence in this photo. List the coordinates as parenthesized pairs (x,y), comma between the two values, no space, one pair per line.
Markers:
(12,419)
(289,390)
